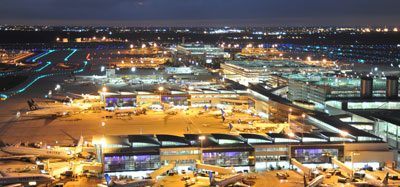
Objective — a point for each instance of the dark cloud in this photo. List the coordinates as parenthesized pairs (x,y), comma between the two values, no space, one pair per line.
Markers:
(212,12)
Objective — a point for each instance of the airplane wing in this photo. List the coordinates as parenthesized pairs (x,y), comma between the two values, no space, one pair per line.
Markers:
(14,185)
(17,157)
(75,140)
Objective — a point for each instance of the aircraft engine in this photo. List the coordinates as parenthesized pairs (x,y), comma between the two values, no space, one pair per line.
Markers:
(33,160)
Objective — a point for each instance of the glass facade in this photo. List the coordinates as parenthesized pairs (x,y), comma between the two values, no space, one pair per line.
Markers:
(182,152)
(374,105)
(314,155)
(272,149)
(227,158)
(271,158)
(131,163)
(183,162)
(205,95)
(389,132)
(120,102)
(175,100)
(320,89)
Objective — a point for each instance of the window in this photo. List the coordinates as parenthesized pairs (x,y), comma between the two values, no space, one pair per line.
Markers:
(182,152)
(170,143)
(135,162)
(272,149)
(226,158)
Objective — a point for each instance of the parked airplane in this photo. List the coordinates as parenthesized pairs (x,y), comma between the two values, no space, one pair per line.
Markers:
(315,182)
(370,180)
(129,183)
(24,179)
(32,154)
(226,180)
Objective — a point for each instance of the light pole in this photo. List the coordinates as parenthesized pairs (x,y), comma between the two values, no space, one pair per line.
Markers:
(160,89)
(104,89)
(352,158)
(100,144)
(201,138)
(102,93)
(303,116)
(344,134)
(58,87)
(352,162)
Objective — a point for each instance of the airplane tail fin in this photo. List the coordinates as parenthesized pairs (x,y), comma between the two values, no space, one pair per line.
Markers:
(385,180)
(3,174)
(73,138)
(108,180)
(79,146)
(2,144)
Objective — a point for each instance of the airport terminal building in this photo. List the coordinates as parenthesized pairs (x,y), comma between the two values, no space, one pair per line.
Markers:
(329,136)
(201,54)
(346,93)
(251,152)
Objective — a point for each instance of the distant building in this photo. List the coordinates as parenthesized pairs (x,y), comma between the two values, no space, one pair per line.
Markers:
(258,53)
(200,53)
(346,93)
(178,70)
(65,40)
(254,71)
(110,73)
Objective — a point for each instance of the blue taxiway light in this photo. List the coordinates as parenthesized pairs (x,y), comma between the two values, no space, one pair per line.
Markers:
(48,75)
(4,96)
(72,53)
(42,68)
(42,55)
(33,57)
(43,76)
(30,84)
(17,72)
(83,68)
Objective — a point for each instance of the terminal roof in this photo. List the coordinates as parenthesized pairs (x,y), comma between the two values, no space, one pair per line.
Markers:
(143,139)
(179,140)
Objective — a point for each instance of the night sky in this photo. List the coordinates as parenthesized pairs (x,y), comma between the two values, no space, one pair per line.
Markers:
(201,12)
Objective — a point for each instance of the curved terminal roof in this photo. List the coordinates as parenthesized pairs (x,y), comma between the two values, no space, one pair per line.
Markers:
(172,140)
(229,140)
(228,137)
(150,139)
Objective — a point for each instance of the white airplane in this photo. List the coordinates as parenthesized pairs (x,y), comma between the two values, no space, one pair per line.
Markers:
(368,179)
(129,183)
(231,179)
(24,179)
(372,181)
(14,185)
(315,182)
(220,112)
(32,154)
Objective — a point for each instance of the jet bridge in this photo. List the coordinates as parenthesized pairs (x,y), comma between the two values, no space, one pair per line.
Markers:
(391,171)
(220,170)
(342,166)
(306,170)
(162,170)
